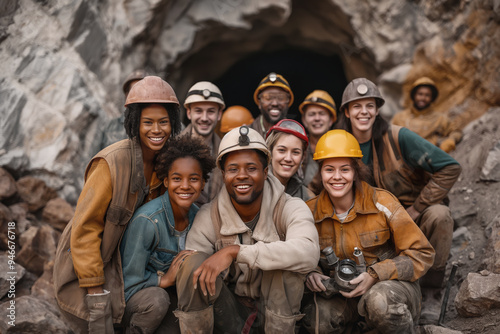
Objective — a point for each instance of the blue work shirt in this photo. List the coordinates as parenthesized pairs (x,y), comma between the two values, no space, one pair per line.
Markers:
(150,243)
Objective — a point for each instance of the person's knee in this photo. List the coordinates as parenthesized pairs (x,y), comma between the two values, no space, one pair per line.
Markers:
(189,265)
(148,309)
(383,313)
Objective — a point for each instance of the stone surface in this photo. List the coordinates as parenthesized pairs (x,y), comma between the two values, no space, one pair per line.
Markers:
(432,329)
(39,250)
(5,219)
(7,185)
(461,238)
(492,232)
(6,275)
(491,168)
(477,294)
(34,192)
(21,217)
(32,316)
(58,213)
(86,49)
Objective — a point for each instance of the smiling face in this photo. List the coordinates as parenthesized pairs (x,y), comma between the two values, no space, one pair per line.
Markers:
(422,97)
(204,117)
(362,114)
(287,155)
(244,177)
(184,182)
(273,104)
(154,128)
(337,176)
(317,120)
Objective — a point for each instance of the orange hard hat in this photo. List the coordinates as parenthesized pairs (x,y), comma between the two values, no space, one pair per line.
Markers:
(234,117)
(320,98)
(151,89)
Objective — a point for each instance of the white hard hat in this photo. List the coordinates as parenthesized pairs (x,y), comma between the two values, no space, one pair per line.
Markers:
(204,91)
(242,138)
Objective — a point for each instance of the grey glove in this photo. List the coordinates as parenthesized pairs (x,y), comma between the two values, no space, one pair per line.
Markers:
(99,305)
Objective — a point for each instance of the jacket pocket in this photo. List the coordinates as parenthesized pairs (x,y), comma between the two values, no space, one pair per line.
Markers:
(117,219)
(374,238)
(377,244)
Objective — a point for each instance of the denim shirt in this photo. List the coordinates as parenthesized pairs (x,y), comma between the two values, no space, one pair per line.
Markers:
(149,244)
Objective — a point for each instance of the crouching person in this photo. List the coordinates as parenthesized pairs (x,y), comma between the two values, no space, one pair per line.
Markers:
(153,245)
(254,244)
(356,219)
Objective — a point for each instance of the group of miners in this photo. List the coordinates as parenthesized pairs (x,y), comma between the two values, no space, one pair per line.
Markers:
(337,223)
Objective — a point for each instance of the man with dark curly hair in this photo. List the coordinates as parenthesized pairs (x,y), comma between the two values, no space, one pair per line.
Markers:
(153,245)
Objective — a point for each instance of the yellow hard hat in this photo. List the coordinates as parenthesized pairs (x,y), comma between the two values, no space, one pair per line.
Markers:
(320,98)
(424,81)
(337,144)
(273,80)
(235,116)
(151,89)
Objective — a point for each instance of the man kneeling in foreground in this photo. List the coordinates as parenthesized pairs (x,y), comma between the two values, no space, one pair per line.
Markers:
(254,246)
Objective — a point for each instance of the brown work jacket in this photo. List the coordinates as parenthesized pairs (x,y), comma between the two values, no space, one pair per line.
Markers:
(392,244)
(129,190)
(411,186)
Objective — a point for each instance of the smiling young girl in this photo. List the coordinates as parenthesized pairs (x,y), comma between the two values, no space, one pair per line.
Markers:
(153,245)
(288,142)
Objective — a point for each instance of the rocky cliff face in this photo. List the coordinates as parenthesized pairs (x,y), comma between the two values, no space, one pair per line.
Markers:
(62,63)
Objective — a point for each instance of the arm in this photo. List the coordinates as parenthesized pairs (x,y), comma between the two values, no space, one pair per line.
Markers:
(415,255)
(88,225)
(451,136)
(136,248)
(298,253)
(201,236)
(419,153)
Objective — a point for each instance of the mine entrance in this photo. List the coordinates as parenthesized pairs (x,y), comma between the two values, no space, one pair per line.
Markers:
(304,70)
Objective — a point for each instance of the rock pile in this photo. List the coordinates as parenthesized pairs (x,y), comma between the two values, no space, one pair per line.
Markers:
(32,217)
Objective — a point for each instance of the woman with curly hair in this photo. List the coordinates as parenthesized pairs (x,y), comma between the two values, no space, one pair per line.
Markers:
(153,246)
(87,273)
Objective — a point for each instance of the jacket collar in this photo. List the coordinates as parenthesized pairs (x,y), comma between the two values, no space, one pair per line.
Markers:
(362,204)
(265,229)
(169,213)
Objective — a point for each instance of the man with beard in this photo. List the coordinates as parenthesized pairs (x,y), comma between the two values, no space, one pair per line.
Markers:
(254,246)
(204,105)
(273,96)
(426,122)
(318,115)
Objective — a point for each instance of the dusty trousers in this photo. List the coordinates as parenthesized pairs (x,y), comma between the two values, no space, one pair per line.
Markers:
(389,306)
(437,225)
(278,305)
(150,310)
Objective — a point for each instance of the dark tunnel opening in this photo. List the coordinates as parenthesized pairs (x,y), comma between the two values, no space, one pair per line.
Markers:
(304,70)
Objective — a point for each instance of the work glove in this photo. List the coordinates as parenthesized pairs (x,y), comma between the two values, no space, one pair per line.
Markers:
(99,305)
(447,145)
